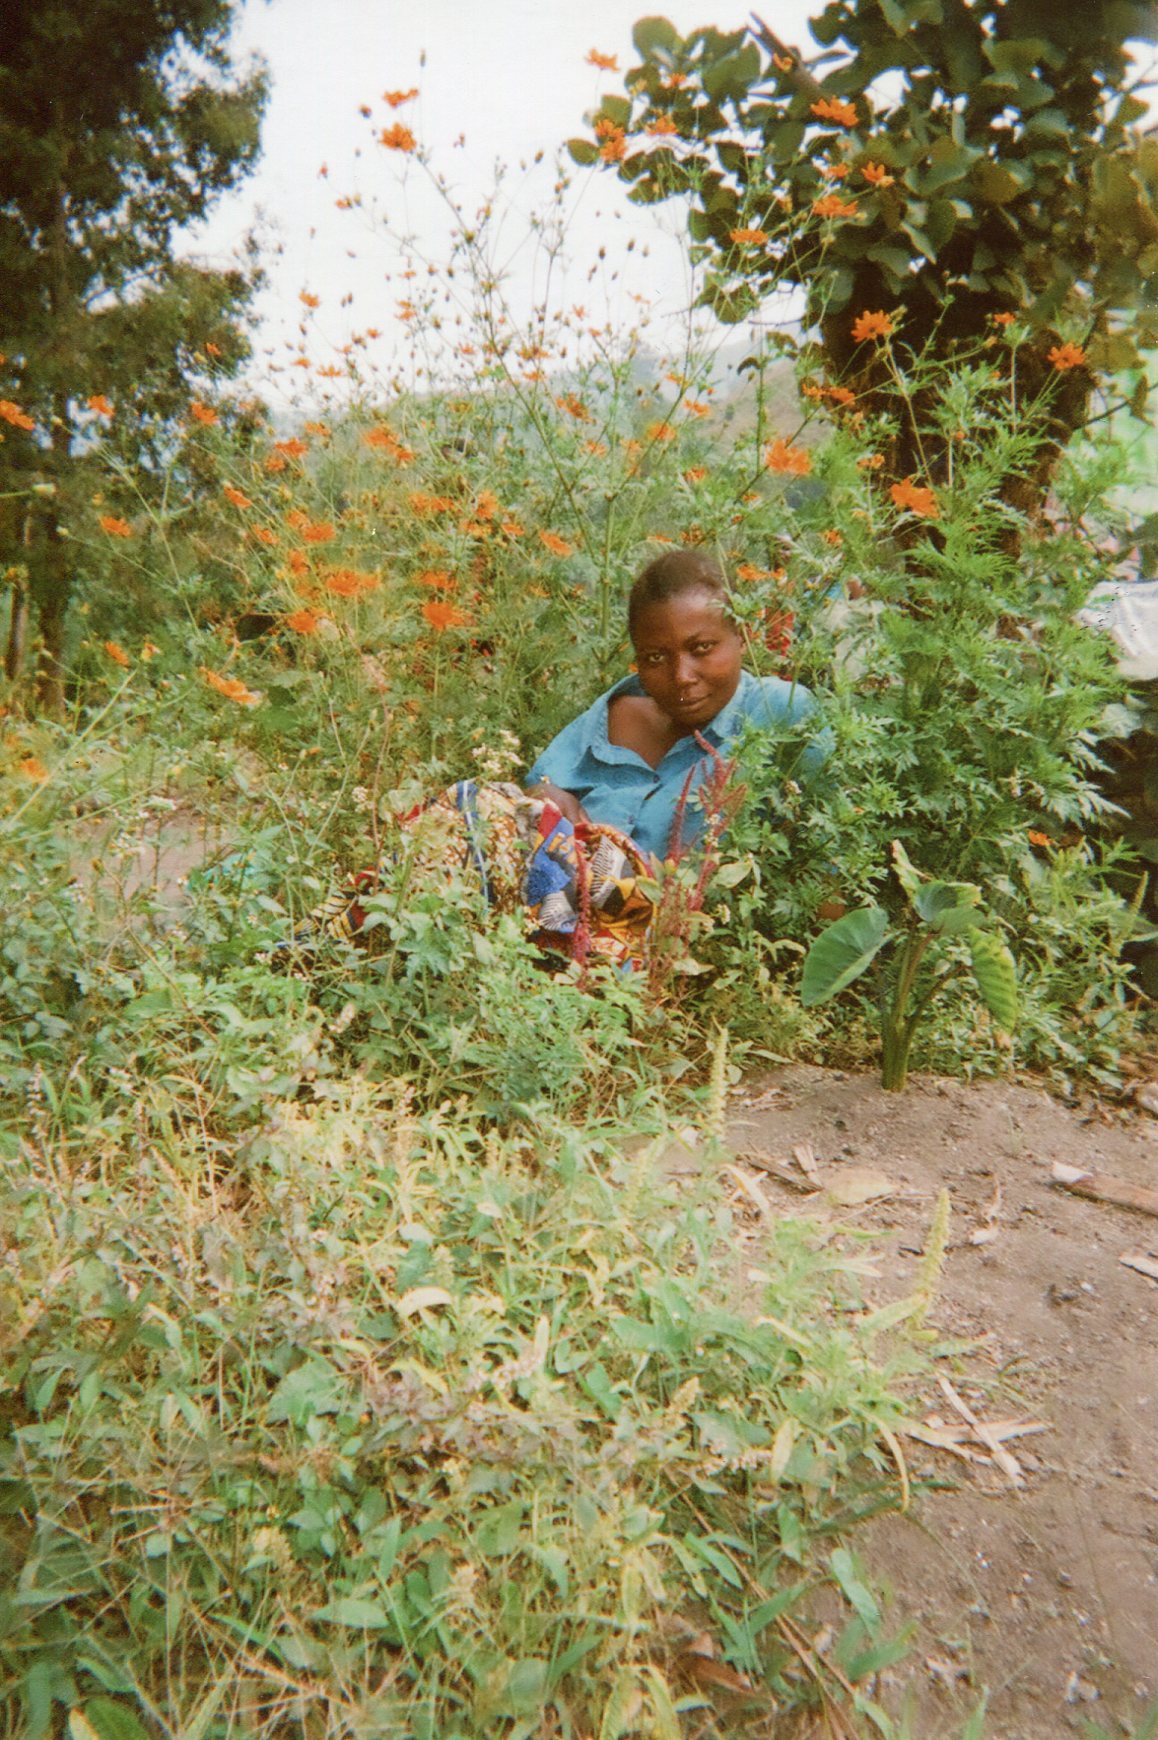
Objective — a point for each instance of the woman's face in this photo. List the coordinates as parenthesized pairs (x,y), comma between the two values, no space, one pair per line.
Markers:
(688,656)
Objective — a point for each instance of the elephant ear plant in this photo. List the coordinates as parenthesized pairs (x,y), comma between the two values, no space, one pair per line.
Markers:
(935,912)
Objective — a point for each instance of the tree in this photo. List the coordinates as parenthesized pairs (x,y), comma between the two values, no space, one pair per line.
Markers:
(121,122)
(959,162)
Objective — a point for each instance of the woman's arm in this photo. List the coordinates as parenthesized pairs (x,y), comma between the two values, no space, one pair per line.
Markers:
(564,801)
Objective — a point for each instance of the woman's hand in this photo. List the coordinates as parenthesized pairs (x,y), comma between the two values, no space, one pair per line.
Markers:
(564,801)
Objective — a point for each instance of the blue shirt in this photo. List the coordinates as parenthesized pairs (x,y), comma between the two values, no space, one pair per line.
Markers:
(616,785)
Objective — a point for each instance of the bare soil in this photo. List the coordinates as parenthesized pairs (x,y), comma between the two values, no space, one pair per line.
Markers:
(1043,1595)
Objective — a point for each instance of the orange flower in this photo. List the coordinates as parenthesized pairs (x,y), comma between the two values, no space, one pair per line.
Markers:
(319,532)
(202,413)
(235,496)
(34,769)
(426,506)
(232,688)
(574,406)
(350,582)
(1037,838)
(263,535)
(835,109)
(441,615)
(437,579)
(116,528)
(833,537)
(876,175)
(792,461)
(834,171)
(293,448)
(614,147)
(748,237)
(662,124)
(329,372)
(310,300)
(830,205)
(1066,356)
(398,138)
(297,519)
(558,546)
(118,654)
(1003,319)
(695,474)
(13,414)
(322,430)
(783,62)
(487,505)
(299,562)
(916,498)
(303,621)
(872,325)
(149,651)
(695,409)
(598,448)
(870,461)
(841,395)
(102,406)
(212,349)
(396,98)
(748,571)
(512,528)
(275,462)
(661,432)
(605,62)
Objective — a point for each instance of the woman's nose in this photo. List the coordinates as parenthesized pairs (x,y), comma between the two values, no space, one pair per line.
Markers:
(684,672)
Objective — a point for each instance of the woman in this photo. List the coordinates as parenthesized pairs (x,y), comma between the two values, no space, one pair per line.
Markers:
(616,789)
(627,760)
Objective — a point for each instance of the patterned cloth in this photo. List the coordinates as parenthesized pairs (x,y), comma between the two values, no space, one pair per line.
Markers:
(577,885)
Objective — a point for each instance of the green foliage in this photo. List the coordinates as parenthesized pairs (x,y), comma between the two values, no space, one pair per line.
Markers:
(120,123)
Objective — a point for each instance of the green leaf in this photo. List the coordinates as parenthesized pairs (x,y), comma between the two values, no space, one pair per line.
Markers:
(907,873)
(732,78)
(996,975)
(948,907)
(841,953)
(352,1611)
(499,1533)
(112,1720)
(616,109)
(857,1595)
(996,183)
(652,35)
(583,152)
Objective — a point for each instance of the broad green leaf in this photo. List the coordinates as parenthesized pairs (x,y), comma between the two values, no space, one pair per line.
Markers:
(583,151)
(907,873)
(652,34)
(996,975)
(841,953)
(948,907)
(352,1611)
(855,1592)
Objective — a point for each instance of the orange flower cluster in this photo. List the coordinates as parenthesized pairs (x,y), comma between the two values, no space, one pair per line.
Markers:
(319,532)
(263,535)
(398,138)
(748,237)
(115,527)
(877,175)
(232,688)
(694,408)
(203,413)
(118,654)
(695,474)
(661,432)
(441,615)
(102,406)
(34,769)
(1066,356)
(838,395)
(830,205)
(835,109)
(310,300)
(321,430)
(558,546)
(663,124)
(292,448)
(303,621)
(605,62)
(395,99)
(13,414)
(574,406)
(437,579)
(871,324)
(384,441)
(1003,319)
(790,461)
(350,582)
(427,506)
(870,461)
(487,505)
(916,498)
(235,496)
(598,448)
(834,171)
(614,146)
(511,529)
(748,571)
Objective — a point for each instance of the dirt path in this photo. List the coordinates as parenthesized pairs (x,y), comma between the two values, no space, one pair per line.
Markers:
(1044,1596)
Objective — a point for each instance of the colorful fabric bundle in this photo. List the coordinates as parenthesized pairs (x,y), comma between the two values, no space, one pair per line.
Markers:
(578,886)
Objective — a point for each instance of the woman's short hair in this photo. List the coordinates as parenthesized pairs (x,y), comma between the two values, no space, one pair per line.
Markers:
(670,576)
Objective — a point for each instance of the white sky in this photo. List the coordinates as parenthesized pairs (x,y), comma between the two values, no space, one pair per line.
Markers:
(506,76)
